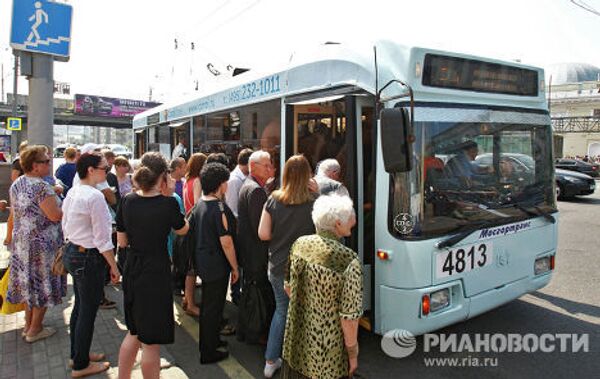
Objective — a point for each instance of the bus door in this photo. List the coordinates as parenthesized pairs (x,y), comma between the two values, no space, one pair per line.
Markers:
(341,129)
(365,164)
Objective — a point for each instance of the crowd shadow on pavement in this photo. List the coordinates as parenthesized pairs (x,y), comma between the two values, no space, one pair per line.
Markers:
(573,307)
(520,317)
(49,358)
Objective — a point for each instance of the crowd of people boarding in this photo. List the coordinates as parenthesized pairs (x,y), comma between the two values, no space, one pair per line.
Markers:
(160,227)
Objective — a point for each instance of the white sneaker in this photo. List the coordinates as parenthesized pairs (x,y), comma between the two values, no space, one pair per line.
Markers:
(270,368)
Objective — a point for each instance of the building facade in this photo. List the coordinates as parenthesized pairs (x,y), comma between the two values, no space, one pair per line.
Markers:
(574,94)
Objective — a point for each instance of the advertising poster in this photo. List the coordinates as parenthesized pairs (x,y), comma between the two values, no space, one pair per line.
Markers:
(5,144)
(109,106)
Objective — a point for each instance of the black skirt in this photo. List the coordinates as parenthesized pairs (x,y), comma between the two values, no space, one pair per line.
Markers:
(148,299)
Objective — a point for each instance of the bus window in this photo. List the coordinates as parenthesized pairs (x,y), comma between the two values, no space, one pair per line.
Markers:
(159,139)
(320,132)
(180,130)
(140,142)
(199,132)
(472,172)
(256,126)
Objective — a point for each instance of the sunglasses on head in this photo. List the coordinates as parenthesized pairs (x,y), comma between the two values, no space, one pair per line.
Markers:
(44,161)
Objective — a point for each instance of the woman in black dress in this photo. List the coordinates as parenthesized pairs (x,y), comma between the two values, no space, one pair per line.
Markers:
(144,220)
(214,255)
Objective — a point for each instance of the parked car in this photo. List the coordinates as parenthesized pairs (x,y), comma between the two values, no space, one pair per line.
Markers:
(120,150)
(590,169)
(571,183)
(521,163)
(59,150)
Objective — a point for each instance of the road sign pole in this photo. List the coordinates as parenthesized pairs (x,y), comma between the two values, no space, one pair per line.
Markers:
(14,142)
(42,28)
(40,114)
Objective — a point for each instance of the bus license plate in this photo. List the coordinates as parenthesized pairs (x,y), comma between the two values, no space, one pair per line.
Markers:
(463,259)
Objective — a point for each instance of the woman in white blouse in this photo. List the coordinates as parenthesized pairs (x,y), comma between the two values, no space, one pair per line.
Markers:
(87,227)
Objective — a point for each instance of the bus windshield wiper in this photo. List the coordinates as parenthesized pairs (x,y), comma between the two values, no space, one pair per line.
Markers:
(537,213)
(465,230)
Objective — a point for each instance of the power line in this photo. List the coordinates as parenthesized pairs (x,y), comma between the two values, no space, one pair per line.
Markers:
(212,13)
(585,6)
(227,21)
(183,42)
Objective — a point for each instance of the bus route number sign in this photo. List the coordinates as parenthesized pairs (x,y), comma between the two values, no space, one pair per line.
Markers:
(463,259)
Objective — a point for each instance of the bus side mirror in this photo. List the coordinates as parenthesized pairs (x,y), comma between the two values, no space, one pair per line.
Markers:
(396,140)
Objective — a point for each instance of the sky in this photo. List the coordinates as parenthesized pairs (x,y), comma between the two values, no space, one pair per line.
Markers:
(126,48)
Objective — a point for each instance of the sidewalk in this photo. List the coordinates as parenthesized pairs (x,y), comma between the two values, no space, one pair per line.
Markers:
(49,358)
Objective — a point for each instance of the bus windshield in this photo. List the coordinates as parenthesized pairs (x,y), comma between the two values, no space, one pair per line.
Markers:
(473,166)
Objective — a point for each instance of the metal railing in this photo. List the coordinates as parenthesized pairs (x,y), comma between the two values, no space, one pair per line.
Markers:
(582,124)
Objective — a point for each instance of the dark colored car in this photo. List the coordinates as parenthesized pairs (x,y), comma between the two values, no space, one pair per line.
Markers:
(103,106)
(570,183)
(578,165)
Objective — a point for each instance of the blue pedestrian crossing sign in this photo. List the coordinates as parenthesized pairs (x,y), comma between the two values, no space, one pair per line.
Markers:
(13,123)
(42,26)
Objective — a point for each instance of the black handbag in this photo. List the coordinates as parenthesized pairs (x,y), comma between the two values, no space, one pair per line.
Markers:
(257,306)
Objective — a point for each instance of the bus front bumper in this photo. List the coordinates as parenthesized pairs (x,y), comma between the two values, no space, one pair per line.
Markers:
(401,308)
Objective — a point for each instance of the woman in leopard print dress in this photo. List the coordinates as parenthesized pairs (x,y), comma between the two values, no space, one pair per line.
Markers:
(325,285)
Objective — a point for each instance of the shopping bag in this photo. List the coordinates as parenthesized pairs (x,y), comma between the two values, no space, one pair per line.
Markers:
(7,308)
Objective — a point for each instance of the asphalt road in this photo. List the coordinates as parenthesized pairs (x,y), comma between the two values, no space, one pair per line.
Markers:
(569,304)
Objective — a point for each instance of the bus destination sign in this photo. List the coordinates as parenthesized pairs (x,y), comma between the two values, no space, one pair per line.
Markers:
(473,75)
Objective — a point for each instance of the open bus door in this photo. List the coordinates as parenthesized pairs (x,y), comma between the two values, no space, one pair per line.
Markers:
(342,127)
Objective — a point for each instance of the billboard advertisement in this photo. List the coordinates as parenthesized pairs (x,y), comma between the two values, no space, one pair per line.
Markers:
(109,106)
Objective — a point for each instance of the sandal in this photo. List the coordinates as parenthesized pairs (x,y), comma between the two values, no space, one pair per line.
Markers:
(44,333)
(93,368)
(94,357)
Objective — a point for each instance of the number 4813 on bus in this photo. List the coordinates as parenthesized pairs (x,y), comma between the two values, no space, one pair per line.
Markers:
(463,259)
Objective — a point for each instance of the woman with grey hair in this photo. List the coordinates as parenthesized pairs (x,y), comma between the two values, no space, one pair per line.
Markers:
(324,282)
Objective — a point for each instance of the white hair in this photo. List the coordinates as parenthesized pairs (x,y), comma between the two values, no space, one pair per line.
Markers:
(328,166)
(331,208)
(135,164)
(257,156)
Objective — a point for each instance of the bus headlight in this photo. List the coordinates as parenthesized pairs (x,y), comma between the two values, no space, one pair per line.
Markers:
(435,301)
(543,264)
(439,299)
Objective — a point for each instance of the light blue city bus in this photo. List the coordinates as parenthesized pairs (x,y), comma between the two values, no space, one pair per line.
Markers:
(447,157)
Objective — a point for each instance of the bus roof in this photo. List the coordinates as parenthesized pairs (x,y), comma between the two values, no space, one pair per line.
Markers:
(333,66)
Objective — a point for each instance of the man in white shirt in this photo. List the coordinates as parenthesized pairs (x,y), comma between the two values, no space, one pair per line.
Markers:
(181,149)
(236,179)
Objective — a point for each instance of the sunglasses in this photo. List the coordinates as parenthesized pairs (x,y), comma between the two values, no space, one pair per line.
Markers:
(45,161)
(106,169)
